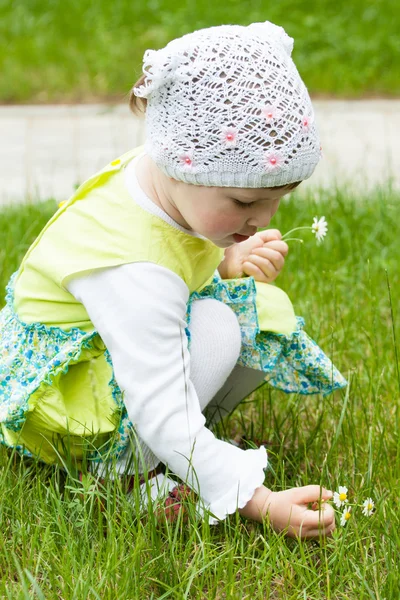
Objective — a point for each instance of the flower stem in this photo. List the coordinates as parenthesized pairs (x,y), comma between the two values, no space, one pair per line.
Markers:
(295,229)
(294,240)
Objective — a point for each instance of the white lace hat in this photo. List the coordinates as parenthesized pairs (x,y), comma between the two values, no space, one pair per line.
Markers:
(226,106)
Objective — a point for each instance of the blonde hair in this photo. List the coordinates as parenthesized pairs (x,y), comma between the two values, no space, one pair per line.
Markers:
(138,105)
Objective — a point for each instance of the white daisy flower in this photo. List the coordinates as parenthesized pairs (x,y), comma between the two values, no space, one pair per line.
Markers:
(368,507)
(319,227)
(340,497)
(346,514)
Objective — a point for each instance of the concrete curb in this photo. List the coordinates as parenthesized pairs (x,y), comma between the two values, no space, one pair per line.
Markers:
(46,150)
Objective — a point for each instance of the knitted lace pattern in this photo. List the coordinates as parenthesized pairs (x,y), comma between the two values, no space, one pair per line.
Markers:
(226,106)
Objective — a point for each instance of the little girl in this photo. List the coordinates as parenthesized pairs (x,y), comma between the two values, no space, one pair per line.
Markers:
(146,298)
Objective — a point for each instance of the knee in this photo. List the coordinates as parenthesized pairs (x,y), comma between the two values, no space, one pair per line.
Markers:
(215,321)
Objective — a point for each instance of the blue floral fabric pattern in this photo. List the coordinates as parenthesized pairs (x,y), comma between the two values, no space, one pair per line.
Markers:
(34,353)
(292,363)
(31,354)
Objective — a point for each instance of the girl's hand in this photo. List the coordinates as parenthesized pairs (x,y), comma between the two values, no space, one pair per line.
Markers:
(289,510)
(262,256)
(297,511)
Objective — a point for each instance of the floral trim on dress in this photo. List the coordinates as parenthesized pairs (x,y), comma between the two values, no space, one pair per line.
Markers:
(121,439)
(32,354)
(293,363)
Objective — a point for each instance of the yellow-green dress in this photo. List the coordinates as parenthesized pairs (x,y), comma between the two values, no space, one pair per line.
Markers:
(57,385)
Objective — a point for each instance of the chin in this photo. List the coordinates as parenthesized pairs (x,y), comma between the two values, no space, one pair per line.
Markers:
(223,244)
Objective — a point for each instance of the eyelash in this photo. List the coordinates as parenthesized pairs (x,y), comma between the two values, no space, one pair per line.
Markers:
(243,204)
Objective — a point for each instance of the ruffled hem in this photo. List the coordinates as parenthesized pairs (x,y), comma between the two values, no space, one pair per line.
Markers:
(34,354)
(27,371)
(252,479)
(292,362)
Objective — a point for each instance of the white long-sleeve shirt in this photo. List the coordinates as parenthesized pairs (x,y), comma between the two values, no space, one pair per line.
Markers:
(139,311)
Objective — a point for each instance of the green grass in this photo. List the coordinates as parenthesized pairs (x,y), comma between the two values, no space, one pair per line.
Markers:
(57,544)
(87,50)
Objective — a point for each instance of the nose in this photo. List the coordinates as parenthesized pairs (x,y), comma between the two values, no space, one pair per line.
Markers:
(262,215)
(260,219)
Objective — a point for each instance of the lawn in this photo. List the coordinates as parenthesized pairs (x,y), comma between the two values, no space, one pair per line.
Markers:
(91,50)
(55,543)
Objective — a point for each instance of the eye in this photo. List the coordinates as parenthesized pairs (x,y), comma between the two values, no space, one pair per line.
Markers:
(243,204)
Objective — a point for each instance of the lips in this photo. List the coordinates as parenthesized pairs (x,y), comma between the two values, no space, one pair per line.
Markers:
(240,238)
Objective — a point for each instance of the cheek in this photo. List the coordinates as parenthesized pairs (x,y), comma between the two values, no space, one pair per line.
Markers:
(223,223)
(215,221)
(275,207)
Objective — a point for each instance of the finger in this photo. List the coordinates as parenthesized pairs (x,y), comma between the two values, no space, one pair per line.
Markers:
(326,528)
(317,505)
(326,514)
(266,266)
(311,520)
(276,258)
(312,493)
(268,235)
(252,270)
(324,517)
(316,533)
(279,245)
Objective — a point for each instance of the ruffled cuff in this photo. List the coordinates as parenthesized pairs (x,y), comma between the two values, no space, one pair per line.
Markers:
(252,477)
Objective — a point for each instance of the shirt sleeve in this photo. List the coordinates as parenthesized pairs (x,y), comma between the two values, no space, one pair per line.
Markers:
(139,311)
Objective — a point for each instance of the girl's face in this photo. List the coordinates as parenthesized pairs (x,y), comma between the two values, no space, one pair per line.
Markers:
(223,215)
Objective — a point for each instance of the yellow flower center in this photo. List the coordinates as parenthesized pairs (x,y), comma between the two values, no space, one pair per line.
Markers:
(347,516)
(370,506)
(343,497)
